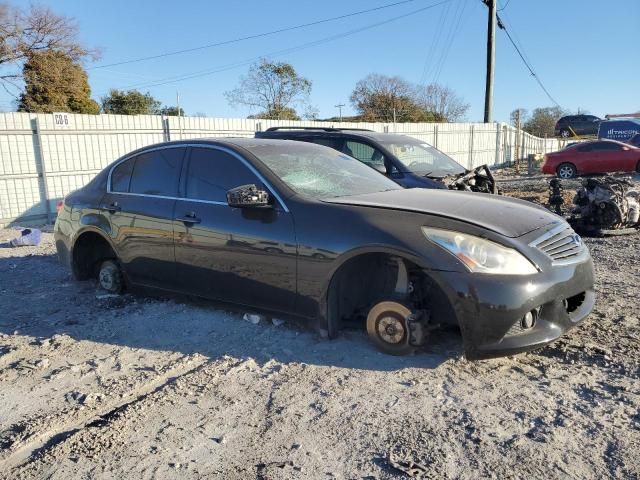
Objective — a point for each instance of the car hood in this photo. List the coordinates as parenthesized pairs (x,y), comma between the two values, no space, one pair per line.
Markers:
(507,216)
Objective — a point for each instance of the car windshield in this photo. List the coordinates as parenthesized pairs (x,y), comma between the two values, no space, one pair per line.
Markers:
(421,158)
(320,172)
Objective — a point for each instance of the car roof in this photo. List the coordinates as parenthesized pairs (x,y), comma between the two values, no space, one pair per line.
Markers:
(606,140)
(379,136)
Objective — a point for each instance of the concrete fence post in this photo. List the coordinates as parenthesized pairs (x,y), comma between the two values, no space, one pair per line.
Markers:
(471,147)
(496,160)
(41,168)
(166,129)
(435,135)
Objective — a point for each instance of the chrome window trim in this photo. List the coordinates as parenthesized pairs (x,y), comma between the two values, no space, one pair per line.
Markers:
(196,145)
(164,197)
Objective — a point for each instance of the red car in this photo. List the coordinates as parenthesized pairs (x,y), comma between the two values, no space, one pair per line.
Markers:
(600,156)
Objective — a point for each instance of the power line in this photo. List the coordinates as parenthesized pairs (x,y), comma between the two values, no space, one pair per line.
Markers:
(527,64)
(504,6)
(529,67)
(250,37)
(455,26)
(175,79)
(435,42)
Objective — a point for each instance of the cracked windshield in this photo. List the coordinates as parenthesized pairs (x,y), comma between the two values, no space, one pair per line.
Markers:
(320,172)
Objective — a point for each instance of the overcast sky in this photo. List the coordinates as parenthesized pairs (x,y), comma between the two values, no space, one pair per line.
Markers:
(584,51)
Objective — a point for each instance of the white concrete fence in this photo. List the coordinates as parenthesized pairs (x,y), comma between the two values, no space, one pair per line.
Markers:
(45,156)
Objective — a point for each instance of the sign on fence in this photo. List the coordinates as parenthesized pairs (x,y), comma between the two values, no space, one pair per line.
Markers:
(62,120)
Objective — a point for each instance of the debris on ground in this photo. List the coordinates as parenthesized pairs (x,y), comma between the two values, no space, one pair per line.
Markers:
(27,237)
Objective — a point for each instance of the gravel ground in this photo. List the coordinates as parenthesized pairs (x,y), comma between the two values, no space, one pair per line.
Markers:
(139,386)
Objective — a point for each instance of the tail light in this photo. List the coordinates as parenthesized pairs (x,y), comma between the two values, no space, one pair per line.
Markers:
(59,205)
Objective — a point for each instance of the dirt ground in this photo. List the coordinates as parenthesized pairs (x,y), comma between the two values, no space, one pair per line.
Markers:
(141,386)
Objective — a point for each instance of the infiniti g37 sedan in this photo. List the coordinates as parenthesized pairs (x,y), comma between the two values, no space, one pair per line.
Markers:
(301,230)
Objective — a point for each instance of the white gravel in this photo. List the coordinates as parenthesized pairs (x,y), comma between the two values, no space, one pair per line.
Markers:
(138,386)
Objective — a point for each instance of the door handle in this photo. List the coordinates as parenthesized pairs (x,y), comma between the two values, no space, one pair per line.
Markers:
(113,208)
(189,218)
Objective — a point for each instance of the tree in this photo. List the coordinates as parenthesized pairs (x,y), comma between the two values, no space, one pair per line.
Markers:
(380,98)
(442,102)
(542,121)
(513,116)
(24,33)
(274,88)
(171,111)
(131,102)
(286,113)
(55,83)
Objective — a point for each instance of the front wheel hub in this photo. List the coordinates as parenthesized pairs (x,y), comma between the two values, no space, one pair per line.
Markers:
(388,327)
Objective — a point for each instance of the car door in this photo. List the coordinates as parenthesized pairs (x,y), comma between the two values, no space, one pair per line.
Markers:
(139,203)
(240,255)
(608,157)
(582,158)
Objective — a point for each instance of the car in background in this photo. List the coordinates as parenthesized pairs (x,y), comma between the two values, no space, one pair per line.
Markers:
(407,161)
(635,140)
(586,158)
(621,130)
(300,230)
(577,125)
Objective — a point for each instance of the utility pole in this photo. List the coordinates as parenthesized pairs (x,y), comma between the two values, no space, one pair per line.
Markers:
(339,107)
(491,53)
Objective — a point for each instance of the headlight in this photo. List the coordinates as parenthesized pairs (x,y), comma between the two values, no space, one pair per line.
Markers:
(480,255)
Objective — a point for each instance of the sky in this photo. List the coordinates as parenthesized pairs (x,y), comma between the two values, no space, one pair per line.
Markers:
(583,51)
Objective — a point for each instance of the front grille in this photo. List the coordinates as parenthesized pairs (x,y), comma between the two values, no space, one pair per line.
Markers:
(561,243)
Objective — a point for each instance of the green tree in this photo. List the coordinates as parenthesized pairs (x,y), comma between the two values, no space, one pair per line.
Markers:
(131,102)
(171,111)
(27,32)
(274,88)
(286,113)
(55,83)
(542,121)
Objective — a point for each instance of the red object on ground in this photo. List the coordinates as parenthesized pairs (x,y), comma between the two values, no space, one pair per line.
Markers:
(600,156)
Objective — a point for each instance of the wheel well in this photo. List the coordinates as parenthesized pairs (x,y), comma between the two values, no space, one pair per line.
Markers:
(89,251)
(367,279)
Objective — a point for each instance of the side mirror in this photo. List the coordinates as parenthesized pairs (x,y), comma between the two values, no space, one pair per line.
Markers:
(248,196)
(379,167)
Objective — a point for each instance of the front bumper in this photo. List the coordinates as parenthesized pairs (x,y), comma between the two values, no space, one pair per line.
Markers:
(489,308)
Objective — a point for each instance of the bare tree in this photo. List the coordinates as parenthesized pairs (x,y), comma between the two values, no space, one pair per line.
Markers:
(443,102)
(380,98)
(272,87)
(27,32)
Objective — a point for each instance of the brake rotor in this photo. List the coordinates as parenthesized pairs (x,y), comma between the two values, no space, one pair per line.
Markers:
(388,327)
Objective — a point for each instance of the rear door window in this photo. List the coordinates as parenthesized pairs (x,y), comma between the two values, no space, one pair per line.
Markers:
(365,153)
(606,147)
(335,143)
(121,176)
(157,172)
(211,173)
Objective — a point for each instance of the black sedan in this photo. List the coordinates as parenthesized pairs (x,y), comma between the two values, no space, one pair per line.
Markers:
(297,229)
